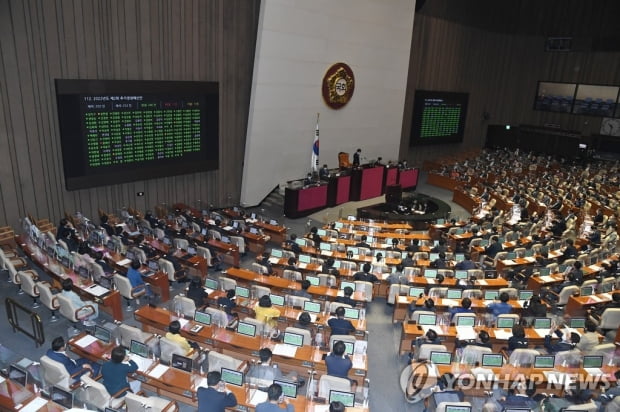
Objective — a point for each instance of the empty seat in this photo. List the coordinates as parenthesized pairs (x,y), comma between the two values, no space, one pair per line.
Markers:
(328,383)
(217,361)
(96,395)
(127,291)
(48,299)
(304,332)
(137,403)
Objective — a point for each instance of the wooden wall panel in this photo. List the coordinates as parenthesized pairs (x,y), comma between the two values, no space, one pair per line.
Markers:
(500,72)
(209,40)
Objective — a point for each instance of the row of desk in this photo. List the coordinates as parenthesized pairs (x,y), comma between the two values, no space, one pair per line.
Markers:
(362,183)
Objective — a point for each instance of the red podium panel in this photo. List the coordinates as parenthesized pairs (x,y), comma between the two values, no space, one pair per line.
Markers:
(312,198)
(371,182)
(344,186)
(408,178)
(391,176)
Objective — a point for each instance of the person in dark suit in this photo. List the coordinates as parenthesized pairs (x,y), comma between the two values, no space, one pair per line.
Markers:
(563,345)
(348,292)
(314,236)
(364,275)
(339,325)
(197,293)
(357,157)
(76,368)
(215,398)
(265,262)
(103,263)
(324,173)
(106,226)
(362,242)
(570,251)
(292,244)
(440,262)
(414,246)
(114,372)
(494,247)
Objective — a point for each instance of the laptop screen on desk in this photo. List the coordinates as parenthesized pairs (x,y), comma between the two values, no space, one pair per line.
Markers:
(301,242)
(181,362)
(491,294)
(325,246)
(577,323)
(458,408)
(427,319)
(592,361)
(130,255)
(586,290)
(202,317)
(441,358)
(344,284)
(347,398)
(242,292)
(289,389)
(414,291)
(276,253)
(466,321)
(277,300)
(211,283)
(544,361)
(246,329)
(232,376)
(225,239)
(313,307)
(542,323)
(351,313)
(492,360)
(544,271)
(505,323)
(454,293)
(433,257)
(61,397)
(102,334)
(305,259)
(525,294)
(321,232)
(460,274)
(430,273)
(18,375)
(139,348)
(294,339)
(353,250)
(314,280)
(83,272)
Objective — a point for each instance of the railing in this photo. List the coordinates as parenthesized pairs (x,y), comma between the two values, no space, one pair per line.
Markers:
(16,312)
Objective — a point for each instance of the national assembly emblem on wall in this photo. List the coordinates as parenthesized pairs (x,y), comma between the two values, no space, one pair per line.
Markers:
(338,85)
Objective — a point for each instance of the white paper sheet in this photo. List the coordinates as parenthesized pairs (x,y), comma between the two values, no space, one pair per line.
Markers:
(258,397)
(123,262)
(97,290)
(34,405)
(158,371)
(282,349)
(482,282)
(358,361)
(85,341)
(502,334)
(466,333)
(542,332)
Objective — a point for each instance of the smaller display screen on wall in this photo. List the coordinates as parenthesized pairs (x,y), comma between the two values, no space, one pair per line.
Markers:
(596,100)
(438,117)
(555,97)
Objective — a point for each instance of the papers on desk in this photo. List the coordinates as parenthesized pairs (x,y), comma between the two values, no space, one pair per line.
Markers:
(274,260)
(2,379)
(201,383)
(558,377)
(302,265)
(450,302)
(521,302)
(426,328)
(542,332)
(228,228)
(483,374)
(143,363)
(183,321)
(282,349)
(606,295)
(97,290)
(430,281)
(482,282)
(594,371)
(34,405)
(327,252)
(360,346)
(123,262)
(595,267)
(320,408)
(432,370)
(158,371)
(85,341)
(530,259)
(312,317)
(502,334)
(358,361)
(466,333)
(547,278)
(594,298)
(258,397)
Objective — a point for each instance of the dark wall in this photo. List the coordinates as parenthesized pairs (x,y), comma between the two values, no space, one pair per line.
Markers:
(210,40)
(500,72)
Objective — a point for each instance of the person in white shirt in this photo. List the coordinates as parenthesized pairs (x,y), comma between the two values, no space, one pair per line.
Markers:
(589,339)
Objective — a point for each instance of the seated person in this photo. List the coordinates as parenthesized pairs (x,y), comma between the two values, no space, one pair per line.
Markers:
(567,342)
(215,397)
(265,312)
(291,264)
(397,277)
(535,308)
(365,274)
(430,338)
(569,252)
(174,329)
(466,264)
(308,180)
(292,244)
(76,300)
(197,293)
(573,278)
(483,340)
(408,261)
(274,398)
(264,372)
(75,368)
(338,363)
(336,406)
(305,322)
(493,249)
(103,263)
(265,262)
(502,307)
(303,292)
(136,280)
(114,373)
(598,310)
(465,308)
(440,262)
(413,247)
(441,246)
(521,394)
(610,394)
(347,292)
(228,302)
(362,242)
(328,267)
(429,306)
(590,338)
(314,236)
(339,325)
(518,340)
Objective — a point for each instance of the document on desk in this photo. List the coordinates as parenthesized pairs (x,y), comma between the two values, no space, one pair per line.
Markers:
(258,397)
(85,341)
(542,332)
(606,295)
(97,290)
(201,383)
(34,405)
(530,259)
(595,268)
(158,371)
(466,333)
(502,334)
(547,278)
(302,265)
(327,252)
(450,302)
(274,260)
(123,262)
(594,298)
(282,349)
(183,322)
(482,282)
(358,361)
(594,371)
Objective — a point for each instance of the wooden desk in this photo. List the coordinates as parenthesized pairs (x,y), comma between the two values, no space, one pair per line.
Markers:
(381,225)
(109,303)
(276,232)
(578,305)
(14,396)
(464,199)
(158,281)
(438,180)
(230,251)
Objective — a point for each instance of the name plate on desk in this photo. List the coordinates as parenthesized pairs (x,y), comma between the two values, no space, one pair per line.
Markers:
(209,342)
(359,372)
(188,393)
(241,408)
(307,364)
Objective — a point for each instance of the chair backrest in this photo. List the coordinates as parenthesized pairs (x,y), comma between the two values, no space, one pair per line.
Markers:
(610,319)
(415,316)
(168,268)
(567,292)
(55,373)
(346,264)
(260,326)
(69,310)
(472,354)
(425,350)
(28,283)
(260,291)
(420,256)
(217,361)
(97,271)
(95,394)
(344,338)
(169,347)
(214,234)
(364,287)
(441,407)
(512,292)
(335,305)
(47,297)
(343,160)
(297,301)
(477,273)
(186,305)
(411,271)
(438,291)
(446,273)
(217,316)
(204,253)
(292,275)
(304,332)
(456,317)
(396,290)
(180,243)
(239,242)
(328,383)
(124,286)
(139,254)
(589,406)
(568,358)
(129,333)
(326,279)
(523,357)
(258,268)
(228,283)
(159,233)
(472,293)
(137,403)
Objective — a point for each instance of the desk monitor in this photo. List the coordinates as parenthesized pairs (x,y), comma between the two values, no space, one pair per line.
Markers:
(441,358)
(501,240)
(336,264)
(181,362)
(130,255)
(466,321)
(61,397)
(254,231)
(111,410)
(191,250)
(459,257)
(526,294)
(586,290)
(416,291)
(325,246)
(511,255)
(430,273)
(492,360)
(225,239)
(427,319)
(18,375)
(314,280)
(349,347)
(529,253)
(606,287)
(202,317)
(242,292)
(110,245)
(139,348)
(289,389)
(153,265)
(305,259)
(247,329)
(344,284)
(454,293)
(351,313)
(277,300)
(491,294)
(460,274)
(211,284)
(459,231)
(516,410)
(593,361)
(544,361)
(321,232)
(301,242)
(505,323)
(338,225)
(83,272)
(103,334)
(294,339)
(433,257)
(457,408)
(276,253)
(484,242)
(562,268)
(544,271)
(403,254)
(440,221)
(346,398)
(273,222)
(351,218)
(370,239)
(542,323)
(167,241)
(106,282)
(312,307)
(353,250)
(577,323)
(235,224)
